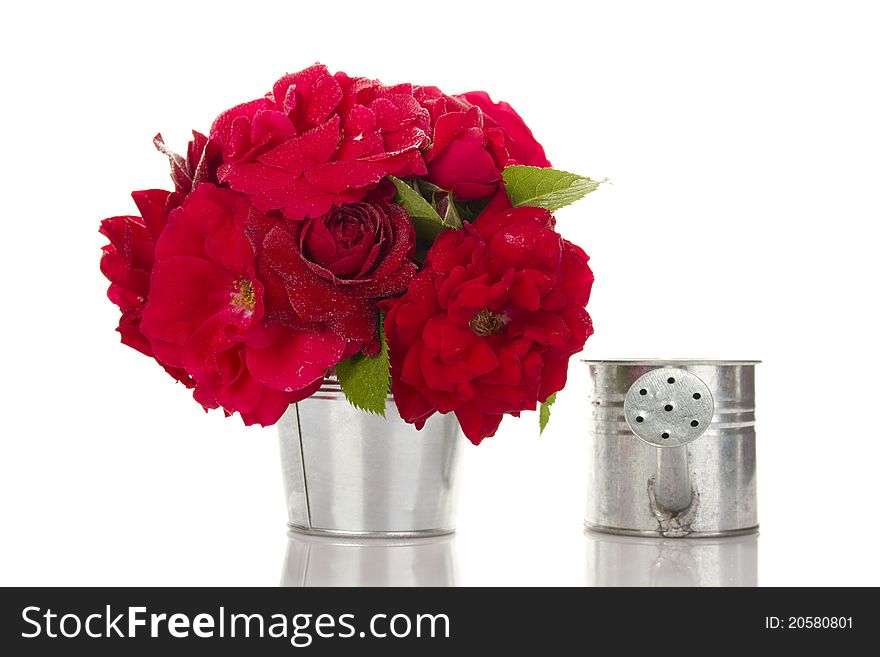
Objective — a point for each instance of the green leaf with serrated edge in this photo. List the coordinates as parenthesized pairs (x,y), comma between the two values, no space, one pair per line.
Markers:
(544,187)
(427,222)
(366,380)
(544,412)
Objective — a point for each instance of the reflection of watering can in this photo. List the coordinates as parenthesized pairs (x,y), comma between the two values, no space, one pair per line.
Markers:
(642,561)
(672,448)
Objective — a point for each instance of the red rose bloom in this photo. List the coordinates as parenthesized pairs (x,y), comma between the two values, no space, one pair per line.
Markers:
(521,145)
(205,314)
(487,327)
(331,270)
(127,262)
(319,140)
(473,140)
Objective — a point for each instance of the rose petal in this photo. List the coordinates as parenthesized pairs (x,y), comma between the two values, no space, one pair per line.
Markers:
(475,424)
(295,360)
(184,291)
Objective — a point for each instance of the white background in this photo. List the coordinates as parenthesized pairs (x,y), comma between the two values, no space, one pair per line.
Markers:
(743,142)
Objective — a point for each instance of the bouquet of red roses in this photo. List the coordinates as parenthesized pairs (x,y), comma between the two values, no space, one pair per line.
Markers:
(394,236)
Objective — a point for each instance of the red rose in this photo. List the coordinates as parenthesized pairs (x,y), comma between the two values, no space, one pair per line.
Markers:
(205,314)
(521,145)
(319,140)
(127,262)
(473,140)
(487,327)
(331,270)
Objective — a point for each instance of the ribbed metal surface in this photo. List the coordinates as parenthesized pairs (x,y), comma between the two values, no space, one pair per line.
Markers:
(628,480)
(330,389)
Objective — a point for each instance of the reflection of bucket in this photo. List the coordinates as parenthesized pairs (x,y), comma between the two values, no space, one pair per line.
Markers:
(352,473)
(672,448)
(635,561)
(325,561)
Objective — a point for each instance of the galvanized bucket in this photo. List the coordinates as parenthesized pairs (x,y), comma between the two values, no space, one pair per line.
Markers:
(672,448)
(352,473)
(332,561)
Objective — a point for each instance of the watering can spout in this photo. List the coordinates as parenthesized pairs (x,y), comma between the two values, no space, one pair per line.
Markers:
(672,484)
(669,408)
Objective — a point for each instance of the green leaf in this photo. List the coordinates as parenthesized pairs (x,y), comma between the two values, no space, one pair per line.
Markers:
(365,380)
(546,188)
(445,205)
(452,217)
(425,188)
(544,412)
(427,222)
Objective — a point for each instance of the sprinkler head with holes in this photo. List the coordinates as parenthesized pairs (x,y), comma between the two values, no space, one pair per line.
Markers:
(668,407)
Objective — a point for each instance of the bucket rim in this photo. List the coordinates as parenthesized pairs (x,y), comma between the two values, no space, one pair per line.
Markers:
(662,362)
(332,389)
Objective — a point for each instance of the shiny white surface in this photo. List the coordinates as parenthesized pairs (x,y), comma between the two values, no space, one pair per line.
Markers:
(742,140)
(323,561)
(610,561)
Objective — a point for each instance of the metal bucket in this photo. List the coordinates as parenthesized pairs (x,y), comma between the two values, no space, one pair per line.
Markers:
(325,561)
(672,448)
(352,473)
